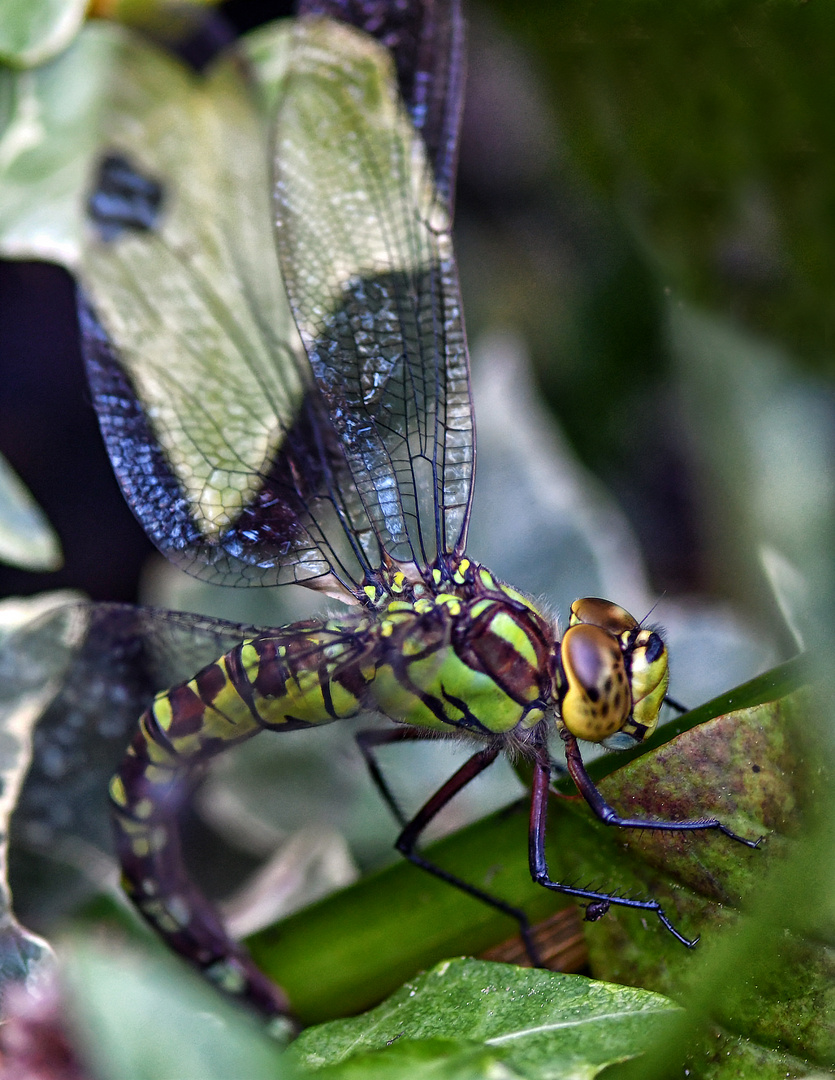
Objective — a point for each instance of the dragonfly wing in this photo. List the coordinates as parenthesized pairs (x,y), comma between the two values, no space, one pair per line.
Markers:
(104,662)
(198,376)
(364,239)
(427,42)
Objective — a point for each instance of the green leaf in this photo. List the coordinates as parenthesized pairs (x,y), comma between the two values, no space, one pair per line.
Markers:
(761,440)
(432,1059)
(26,538)
(492,1020)
(48,137)
(27,685)
(33,31)
(149,1018)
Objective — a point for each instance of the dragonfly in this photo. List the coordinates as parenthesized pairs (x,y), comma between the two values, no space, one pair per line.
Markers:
(335,449)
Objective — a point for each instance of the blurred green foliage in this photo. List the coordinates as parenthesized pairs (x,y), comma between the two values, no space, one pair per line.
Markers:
(655,154)
(707,127)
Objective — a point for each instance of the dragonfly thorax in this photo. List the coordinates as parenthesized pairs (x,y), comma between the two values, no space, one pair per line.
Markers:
(471,655)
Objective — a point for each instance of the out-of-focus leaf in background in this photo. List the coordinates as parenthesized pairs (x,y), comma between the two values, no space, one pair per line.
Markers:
(34,31)
(26,538)
(762,434)
(29,679)
(48,135)
(145,1017)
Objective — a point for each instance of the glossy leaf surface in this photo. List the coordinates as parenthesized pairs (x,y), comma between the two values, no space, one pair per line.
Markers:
(480,1018)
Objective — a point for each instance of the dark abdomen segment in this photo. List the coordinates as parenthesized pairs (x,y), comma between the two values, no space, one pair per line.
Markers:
(303,676)
(439,663)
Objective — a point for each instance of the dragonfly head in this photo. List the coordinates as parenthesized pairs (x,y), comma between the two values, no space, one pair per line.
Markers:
(613,675)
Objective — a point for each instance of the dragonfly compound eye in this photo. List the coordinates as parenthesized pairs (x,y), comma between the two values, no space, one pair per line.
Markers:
(650,676)
(597,701)
(603,613)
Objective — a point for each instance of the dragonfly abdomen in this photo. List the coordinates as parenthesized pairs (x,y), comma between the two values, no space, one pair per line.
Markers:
(475,663)
(296,677)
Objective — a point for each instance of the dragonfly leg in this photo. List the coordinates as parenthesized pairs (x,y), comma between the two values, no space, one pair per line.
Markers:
(406,842)
(599,902)
(609,816)
(373,737)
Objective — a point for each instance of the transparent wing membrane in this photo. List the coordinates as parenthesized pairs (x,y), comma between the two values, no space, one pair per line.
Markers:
(365,248)
(203,391)
(108,661)
(427,43)
(245,463)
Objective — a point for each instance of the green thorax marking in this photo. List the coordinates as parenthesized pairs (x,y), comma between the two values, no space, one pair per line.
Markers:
(459,650)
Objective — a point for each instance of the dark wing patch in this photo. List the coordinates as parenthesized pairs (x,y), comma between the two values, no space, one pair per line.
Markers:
(123,198)
(278,534)
(198,376)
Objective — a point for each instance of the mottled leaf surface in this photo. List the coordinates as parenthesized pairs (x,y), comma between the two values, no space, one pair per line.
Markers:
(764,970)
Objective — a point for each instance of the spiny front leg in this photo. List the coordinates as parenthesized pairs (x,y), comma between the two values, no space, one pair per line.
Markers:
(599,903)
(179,732)
(609,816)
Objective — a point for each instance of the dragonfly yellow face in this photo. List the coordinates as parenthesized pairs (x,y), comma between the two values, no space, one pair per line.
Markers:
(353,473)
